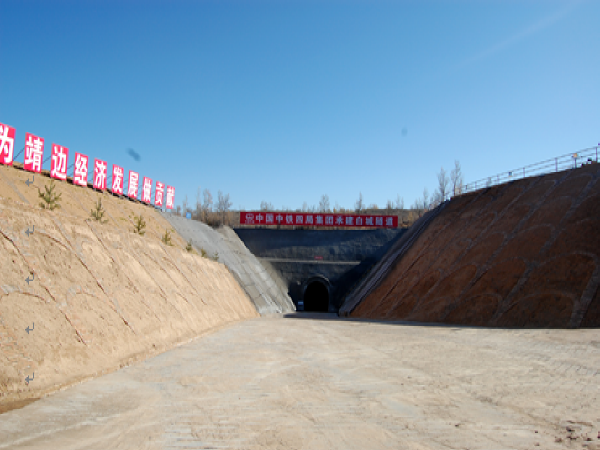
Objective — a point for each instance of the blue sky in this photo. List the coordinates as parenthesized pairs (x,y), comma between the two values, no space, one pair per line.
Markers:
(285,101)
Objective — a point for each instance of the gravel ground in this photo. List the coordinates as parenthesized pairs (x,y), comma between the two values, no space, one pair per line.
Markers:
(318,382)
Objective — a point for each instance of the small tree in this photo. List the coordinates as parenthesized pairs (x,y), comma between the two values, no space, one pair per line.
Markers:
(189,247)
(436,199)
(203,253)
(198,211)
(139,225)
(49,197)
(98,213)
(324,203)
(167,238)
(417,206)
(206,205)
(359,205)
(266,206)
(456,179)
(223,205)
(399,202)
(400,206)
(443,181)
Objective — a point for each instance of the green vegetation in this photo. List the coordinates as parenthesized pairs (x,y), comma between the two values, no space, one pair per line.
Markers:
(167,238)
(139,225)
(49,197)
(189,247)
(98,213)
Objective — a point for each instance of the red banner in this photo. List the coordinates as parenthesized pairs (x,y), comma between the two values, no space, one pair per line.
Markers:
(132,185)
(100,169)
(7,144)
(58,164)
(34,152)
(147,190)
(159,191)
(170,197)
(317,219)
(117,179)
(80,173)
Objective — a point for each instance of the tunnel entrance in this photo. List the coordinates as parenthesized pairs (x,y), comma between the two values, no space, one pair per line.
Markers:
(316,297)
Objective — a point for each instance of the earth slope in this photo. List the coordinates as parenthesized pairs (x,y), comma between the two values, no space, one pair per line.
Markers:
(522,254)
(102,296)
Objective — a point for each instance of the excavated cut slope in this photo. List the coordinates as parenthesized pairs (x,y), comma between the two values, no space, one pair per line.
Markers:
(522,254)
(101,296)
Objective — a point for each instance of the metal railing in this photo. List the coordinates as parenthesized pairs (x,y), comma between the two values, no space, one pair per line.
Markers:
(564,162)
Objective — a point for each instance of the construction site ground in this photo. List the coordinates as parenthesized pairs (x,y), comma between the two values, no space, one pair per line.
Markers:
(319,382)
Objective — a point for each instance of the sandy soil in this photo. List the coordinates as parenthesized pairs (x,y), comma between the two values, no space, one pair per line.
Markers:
(282,384)
(102,296)
(516,255)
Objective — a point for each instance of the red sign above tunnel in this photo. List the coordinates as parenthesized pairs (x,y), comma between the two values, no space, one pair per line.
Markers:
(317,219)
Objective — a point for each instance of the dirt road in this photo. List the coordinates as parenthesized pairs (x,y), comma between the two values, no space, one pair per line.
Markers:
(285,383)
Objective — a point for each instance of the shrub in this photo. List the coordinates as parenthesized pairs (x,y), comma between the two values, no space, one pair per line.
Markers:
(167,238)
(50,198)
(203,253)
(215,256)
(189,247)
(139,225)
(98,213)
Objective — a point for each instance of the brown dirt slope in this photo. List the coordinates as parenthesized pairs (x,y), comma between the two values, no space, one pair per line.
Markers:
(522,254)
(102,296)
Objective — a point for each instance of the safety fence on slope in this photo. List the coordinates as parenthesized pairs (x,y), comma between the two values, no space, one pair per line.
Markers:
(382,268)
(563,162)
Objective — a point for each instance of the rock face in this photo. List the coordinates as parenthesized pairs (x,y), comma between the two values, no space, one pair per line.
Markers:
(262,285)
(99,296)
(522,254)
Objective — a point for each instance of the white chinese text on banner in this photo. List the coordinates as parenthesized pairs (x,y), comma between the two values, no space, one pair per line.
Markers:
(7,144)
(34,152)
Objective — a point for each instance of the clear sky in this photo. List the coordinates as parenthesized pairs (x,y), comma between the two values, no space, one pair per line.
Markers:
(285,101)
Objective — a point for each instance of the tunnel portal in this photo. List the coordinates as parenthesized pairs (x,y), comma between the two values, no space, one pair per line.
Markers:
(317,268)
(316,297)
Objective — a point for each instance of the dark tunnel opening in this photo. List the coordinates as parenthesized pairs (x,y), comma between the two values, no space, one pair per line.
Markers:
(316,297)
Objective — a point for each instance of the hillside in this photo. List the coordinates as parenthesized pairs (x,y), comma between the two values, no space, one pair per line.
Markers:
(521,254)
(101,295)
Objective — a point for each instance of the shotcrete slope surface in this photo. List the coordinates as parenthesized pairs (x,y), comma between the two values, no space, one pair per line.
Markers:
(101,296)
(266,290)
(520,254)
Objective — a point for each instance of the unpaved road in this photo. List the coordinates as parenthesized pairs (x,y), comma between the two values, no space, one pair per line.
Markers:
(285,383)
